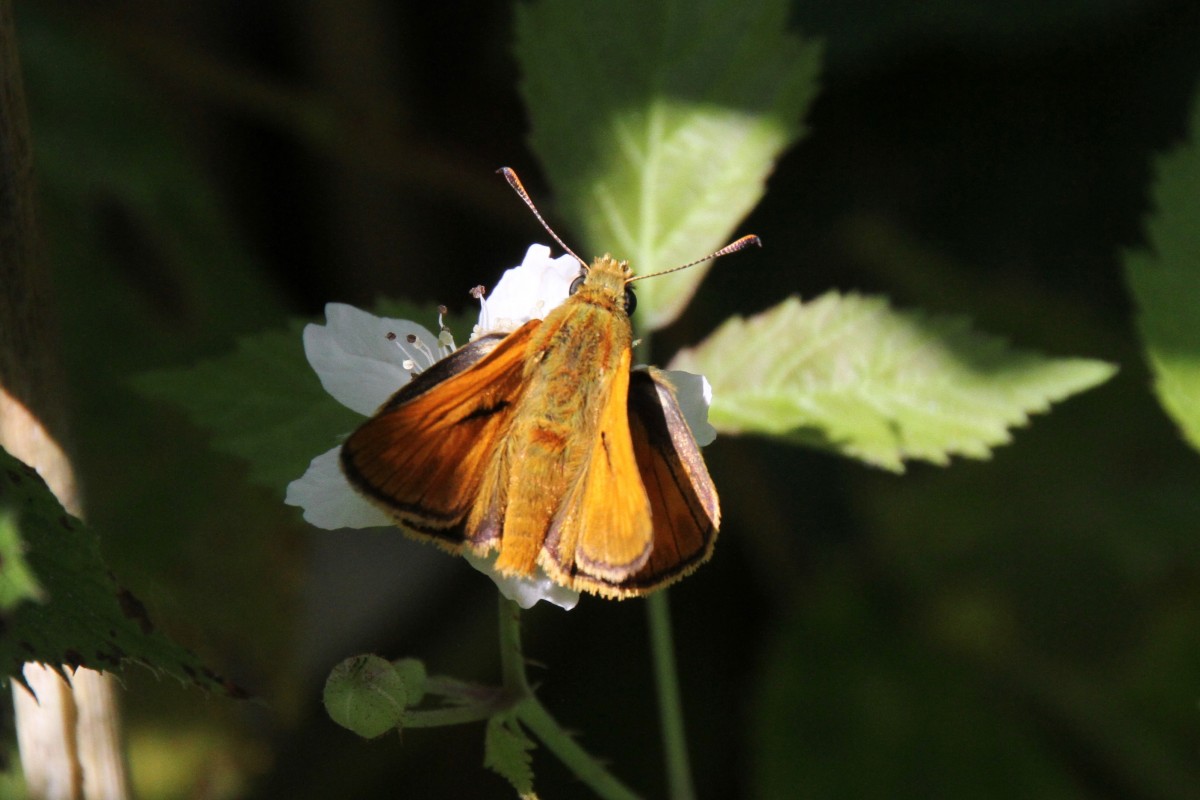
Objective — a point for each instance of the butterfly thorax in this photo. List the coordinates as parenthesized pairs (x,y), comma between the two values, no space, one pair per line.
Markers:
(582,342)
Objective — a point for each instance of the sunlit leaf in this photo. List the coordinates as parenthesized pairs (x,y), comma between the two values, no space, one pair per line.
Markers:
(658,123)
(850,374)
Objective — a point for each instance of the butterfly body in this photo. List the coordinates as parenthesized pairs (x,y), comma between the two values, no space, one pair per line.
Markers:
(570,426)
(544,445)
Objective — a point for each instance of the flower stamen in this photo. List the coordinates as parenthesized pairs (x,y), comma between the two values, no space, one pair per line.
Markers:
(484,318)
(423,349)
(413,361)
(445,338)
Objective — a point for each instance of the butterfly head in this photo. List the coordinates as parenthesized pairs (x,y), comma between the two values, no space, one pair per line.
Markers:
(607,279)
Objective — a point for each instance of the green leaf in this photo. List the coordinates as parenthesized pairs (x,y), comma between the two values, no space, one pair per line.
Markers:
(851,375)
(262,402)
(1165,282)
(367,695)
(60,604)
(509,752)
(658,123)
(17,579)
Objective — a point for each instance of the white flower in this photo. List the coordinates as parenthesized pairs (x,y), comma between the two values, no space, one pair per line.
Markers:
(527,292)
(362,360)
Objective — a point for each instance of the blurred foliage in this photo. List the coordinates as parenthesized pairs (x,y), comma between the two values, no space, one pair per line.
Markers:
(1028,622)
(1166,282)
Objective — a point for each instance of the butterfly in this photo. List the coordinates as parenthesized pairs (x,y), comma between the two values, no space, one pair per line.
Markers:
(546,445)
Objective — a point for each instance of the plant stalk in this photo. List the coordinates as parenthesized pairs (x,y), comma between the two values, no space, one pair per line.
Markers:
(670,704)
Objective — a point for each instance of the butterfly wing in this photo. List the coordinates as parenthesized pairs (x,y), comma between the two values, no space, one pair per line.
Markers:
(602,531)
(421,456)
(683,500)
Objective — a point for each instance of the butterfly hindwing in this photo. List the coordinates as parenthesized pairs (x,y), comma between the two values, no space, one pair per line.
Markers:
(602,532)
(683,500)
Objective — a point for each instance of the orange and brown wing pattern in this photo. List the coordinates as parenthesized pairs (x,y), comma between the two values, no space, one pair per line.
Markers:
(683,500)
(602,531)
(422,455)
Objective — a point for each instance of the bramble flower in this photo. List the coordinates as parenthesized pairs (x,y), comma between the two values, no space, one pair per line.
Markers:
(527,292)
(362,360)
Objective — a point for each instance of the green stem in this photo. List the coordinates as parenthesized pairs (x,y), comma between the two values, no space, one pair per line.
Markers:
(582,764)
(512,657)
(439,717)
(537,719)
(462,701)
(670,706)
(456,691)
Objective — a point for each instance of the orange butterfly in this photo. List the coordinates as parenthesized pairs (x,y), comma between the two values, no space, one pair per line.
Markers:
(546,445)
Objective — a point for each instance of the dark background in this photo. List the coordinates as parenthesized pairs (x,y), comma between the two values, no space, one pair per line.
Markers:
(1024,626)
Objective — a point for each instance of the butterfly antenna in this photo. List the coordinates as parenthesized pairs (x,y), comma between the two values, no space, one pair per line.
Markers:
(732,247)
(515,183)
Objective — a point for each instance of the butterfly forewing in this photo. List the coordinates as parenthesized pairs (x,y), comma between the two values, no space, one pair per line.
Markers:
(421,457)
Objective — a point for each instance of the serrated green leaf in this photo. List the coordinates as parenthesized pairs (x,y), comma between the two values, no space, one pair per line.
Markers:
(1165,282)
(852,375)
(262,403)
(509,752)
(65,609)
(658,123)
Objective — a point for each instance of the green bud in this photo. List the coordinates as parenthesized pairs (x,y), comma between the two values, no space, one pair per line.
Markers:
(412,672)
(367,695)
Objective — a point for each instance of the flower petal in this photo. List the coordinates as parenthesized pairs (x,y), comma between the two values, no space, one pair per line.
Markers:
(526,592)
(356,361)
(529,291)
(329,501)
(694,394)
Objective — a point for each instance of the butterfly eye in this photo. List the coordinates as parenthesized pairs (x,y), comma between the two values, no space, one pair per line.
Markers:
(575,284)
(630,300)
